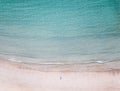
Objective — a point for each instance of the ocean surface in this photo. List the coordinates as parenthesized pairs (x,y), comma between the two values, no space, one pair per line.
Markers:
(60,31)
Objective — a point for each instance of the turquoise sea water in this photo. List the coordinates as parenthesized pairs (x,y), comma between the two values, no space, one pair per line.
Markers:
(60,31)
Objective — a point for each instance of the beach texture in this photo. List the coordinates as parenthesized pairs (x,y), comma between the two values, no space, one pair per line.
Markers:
(76,77)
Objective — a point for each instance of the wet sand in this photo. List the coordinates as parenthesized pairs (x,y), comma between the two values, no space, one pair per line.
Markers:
(71,77)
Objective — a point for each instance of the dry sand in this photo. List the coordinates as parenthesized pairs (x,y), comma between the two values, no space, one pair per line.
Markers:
(75,77)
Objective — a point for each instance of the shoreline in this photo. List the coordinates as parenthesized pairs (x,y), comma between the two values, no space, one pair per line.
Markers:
(15,76)
(76,67)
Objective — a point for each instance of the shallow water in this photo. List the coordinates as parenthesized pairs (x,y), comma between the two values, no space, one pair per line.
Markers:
(60,31)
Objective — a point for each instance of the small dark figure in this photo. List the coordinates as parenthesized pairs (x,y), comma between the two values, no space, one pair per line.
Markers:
(60,78)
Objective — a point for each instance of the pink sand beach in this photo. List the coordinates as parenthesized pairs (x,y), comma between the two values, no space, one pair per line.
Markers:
(16,76)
